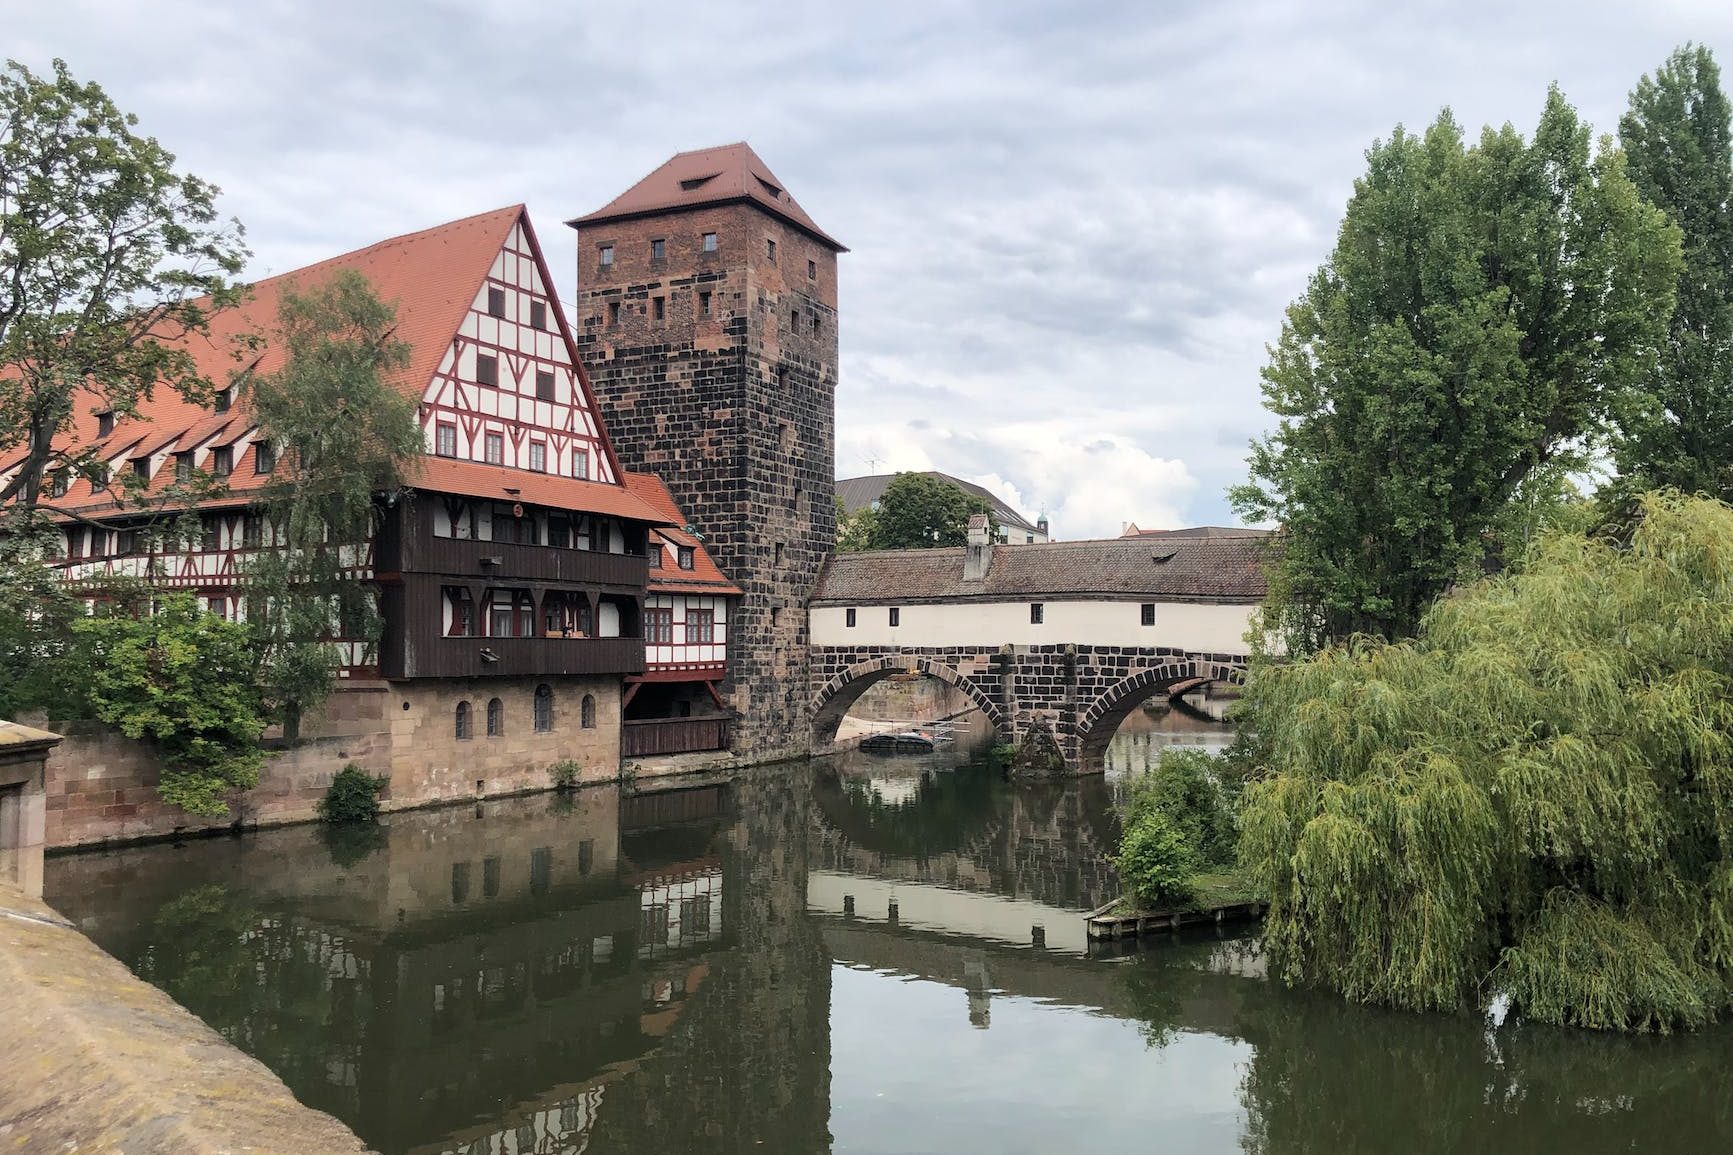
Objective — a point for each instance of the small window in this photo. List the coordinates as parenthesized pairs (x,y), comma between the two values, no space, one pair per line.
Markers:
(581,464)
(654,554)
(778,554)
(218,606)
(541,874)
(812,270)
(223,399)
(544,708)
(769,248)
(1037,613)
(686,557)
(460,870)
(495,718)
(659,626)
(487,369)
(587,712)
(222,460)
(709,242)
(544,384)
(700,627)
(848,617)
(1148,613)
(252,531)
(794,320)
(659,308)
(460,722)
(538,314)
(495,302)
(703,304)
(495,448)
(445,439)
(896,616)
(61,483)
(183,466)
(490,876)
(104,424)
(264,457)
(212,534)
(606,253)
(613,314)
(815,325)
(658,249)
(141,468)
(538,457)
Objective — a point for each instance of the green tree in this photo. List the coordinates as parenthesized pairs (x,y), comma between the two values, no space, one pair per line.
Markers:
(1533,798)
(920,511)
(109,258)
(181,679)
(345,435)
(1679,432)
(1484,309)
(855,532)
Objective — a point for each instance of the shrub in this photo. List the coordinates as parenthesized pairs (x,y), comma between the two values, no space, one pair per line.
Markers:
(1155,860)
(564,773)
(353,797)
(1189,788)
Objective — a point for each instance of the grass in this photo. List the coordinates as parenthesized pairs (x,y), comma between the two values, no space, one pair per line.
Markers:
(1212,889)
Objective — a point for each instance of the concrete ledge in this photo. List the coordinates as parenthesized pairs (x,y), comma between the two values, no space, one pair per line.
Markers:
(98,1060)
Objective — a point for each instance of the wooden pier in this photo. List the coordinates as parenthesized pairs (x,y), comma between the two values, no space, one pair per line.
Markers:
(1103,924)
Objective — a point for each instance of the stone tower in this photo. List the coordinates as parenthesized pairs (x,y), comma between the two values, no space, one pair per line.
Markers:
(706,318)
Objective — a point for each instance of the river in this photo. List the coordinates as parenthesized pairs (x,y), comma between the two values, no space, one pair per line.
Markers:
(858,955)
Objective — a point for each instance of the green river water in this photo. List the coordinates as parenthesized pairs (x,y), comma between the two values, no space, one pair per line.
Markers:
(858,956)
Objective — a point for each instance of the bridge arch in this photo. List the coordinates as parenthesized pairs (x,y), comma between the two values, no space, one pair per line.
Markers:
(838,695)
(1097,725)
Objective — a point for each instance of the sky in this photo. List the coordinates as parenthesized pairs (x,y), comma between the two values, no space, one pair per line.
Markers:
(1073,227)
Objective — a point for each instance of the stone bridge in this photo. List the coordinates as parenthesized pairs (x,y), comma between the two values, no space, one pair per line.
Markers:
(1077,695)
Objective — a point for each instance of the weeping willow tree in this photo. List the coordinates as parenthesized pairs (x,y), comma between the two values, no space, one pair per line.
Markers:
(1531,799)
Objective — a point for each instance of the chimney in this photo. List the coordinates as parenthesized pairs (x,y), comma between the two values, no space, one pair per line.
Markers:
(978,558)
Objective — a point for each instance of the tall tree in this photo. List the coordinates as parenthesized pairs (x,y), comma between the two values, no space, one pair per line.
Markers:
(1676,141)
(345,435)
(109,257)
(1483,310)
(919,511)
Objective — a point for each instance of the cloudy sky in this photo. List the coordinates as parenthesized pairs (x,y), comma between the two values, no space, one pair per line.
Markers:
(1074,226)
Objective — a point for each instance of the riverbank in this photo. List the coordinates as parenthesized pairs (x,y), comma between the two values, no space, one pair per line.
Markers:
(1220,897)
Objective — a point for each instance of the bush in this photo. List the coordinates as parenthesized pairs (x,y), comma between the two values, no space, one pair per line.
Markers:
(1155,860)
(353,797)
(564,773)
(1189,788)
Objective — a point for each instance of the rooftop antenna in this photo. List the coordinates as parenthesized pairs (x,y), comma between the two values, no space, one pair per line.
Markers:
(872,464)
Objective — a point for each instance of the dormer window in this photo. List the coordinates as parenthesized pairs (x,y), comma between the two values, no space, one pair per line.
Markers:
(264,457)
(104,424)
(686,557)
(61,483)
(222,460)
(223,399)
(655,557)
(184,466)
(141,468)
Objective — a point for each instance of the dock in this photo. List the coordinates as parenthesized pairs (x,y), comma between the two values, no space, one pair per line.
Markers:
(1104,925)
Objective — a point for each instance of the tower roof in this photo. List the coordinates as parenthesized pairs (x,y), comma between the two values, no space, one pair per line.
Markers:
(708,176)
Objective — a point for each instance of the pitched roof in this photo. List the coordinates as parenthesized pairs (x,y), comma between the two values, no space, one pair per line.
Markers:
(478,479)
(708,176)
(1210,531)
(856,493)
(1211,569)
(705,576)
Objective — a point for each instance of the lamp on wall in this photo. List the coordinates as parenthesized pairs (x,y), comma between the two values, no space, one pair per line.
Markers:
(488,655)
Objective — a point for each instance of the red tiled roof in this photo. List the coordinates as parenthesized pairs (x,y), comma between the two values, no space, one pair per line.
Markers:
(709,176)
(475,479)
(705,576)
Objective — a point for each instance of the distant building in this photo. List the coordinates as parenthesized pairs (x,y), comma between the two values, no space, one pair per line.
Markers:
(858,493)
(1214,532)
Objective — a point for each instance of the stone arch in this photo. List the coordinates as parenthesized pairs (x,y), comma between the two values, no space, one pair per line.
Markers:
(1097,725)
(840,693)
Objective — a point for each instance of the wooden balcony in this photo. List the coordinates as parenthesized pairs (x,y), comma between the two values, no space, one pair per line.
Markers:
(644,738)
(513,657)
(507,564)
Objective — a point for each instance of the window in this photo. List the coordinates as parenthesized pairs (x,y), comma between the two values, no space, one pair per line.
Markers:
(487,369)
(490,876)
(460,726)
(581,464)
(658,626)
(222,460)
(544,384)
(74,543)
(538,457)
(538,314)
(223,399)
(544,708)
(265,457)
(559,532)
(587,712)
(606,254)
(685,558)
(1148,613)
(778,554)
(105,424)
(700,627)
(511,614)
(252,531)
(445,439)
(496,449)
(495,302)
(61,483)
(495,718)
(125,541)
(183,466)
(769,248)
(218,606)
(659,308)
(658,249)
(212,535)
(848,617)
(815,325)
(794,320)
(812,270)
(460,870)
(462,607)
(1028,539)
(896,616)
(703,304)
(541,874)
(709,242)
(613,314)
(654,554)
(141,468)
(1037,613)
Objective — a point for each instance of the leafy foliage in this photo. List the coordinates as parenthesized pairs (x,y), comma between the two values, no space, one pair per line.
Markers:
(352,797)
(564,773)
(344,434)
(181,679)
(1679,431)
(920,511)
(1534,797)
(1486,309)
(1156,861)
(1187,786)
(855,532)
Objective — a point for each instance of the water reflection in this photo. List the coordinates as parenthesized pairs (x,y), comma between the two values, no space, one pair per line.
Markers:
(859,956)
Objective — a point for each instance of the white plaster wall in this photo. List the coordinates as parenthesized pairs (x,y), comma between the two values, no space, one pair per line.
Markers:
(1211,628)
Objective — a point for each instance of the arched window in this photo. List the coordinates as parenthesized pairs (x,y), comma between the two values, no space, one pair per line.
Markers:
(462,727)
(587,713)
(495,718)
(544,708)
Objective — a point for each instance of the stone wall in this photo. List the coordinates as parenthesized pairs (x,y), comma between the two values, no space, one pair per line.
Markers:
(918,699)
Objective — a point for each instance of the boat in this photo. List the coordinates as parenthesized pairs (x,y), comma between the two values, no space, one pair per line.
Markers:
(899,742)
